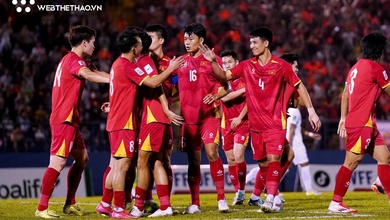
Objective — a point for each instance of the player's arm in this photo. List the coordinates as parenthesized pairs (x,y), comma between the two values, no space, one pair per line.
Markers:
(291,133)
(236,121)
(344,111)
(313,117)
(94,76)
(222,92)
(209,55)
(153,82)
(313,135)
(233,95)
(387,90)
(105,107)
(175,119)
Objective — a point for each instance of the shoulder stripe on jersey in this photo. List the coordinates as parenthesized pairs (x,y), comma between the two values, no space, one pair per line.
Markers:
(383,87)
(297,83)
(81,69)
(230,72)
(143,80)
(274,61)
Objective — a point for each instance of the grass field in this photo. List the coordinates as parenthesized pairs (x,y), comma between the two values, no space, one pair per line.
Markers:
(297,206)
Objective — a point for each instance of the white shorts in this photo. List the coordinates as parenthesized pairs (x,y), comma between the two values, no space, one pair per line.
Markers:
(300,154)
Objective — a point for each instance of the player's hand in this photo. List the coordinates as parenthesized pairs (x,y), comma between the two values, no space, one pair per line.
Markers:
(175,119)
(317,136)
(208,53)
(176,63)
(209,98)
(341,129)
(105,107)
(235,122)
(315,121)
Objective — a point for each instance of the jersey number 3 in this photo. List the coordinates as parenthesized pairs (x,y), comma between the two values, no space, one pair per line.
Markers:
(351,86)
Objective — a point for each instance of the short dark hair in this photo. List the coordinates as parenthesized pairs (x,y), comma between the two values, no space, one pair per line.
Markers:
(146,41)
(373,45)
(159,30)
(79,33)
(263,33)
(231,53)
(290,57)
(197,29)
(127,40)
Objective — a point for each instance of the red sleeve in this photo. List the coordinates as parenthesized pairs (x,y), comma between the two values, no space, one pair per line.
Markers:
(238,70)
(380,76)
(76,65)
(147,65)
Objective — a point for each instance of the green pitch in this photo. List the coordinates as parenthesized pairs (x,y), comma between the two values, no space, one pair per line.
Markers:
(297,206)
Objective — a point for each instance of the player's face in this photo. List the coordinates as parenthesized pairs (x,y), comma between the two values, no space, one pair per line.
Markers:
(258,46)
(295,67)
(156,41)
(192,42)
(89,47)
(229,62)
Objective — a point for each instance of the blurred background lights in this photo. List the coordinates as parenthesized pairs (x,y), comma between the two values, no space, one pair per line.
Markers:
(14,2)
(19,9)
(32,2)
(23,2)
(27,9)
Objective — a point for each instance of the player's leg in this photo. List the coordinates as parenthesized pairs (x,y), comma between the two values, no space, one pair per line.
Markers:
(192,145)
(210,136)
(241,169)
(120,167)
(143,178)
(377,187)
(104,207)
(261,175)
(162,187)
(59,152)
(343,177)
(275,141)
(381,155)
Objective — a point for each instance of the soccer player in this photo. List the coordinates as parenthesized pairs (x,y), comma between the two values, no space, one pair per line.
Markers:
(235,129)
(365,83)
(155,134)
(294,135)
(125,78)
(69,81)
(266,77)
(159,36)
(201,123)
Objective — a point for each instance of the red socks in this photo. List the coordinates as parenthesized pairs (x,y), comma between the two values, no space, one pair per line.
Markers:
(343,178)
(217,173)
(241,173)
(48,181)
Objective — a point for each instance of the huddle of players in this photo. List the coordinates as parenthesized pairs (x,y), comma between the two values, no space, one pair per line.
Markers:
(137,80)
(199,74)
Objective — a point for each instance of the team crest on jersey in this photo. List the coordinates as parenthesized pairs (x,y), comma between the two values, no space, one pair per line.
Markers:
(148,69)
(272,72)
(241,85)
(139,71)
(385,75)
(162,68)
(253,70)
(82,63)
(203,63)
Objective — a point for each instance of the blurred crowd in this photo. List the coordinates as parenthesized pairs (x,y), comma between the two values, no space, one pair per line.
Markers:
(326,34)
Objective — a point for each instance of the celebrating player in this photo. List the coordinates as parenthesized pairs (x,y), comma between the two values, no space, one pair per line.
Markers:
(365,83)
(266,77)
(69,81)
(201,121)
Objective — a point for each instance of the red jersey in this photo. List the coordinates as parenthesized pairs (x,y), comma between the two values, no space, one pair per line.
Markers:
(232,108)
(168,85)
(266,88)
(67,89)
(125,77)
(365,81)
(196,80)
(152,110)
